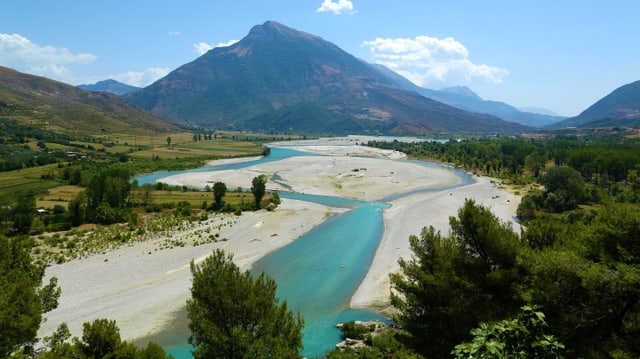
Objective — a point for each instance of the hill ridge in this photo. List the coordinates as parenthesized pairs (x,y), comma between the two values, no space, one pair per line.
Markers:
(621,107)
(63,107)
(109,85)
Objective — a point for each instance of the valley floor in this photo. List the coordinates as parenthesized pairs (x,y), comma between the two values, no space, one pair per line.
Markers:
(143,285)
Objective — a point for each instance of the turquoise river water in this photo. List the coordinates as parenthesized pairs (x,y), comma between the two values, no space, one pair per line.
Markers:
(318,273)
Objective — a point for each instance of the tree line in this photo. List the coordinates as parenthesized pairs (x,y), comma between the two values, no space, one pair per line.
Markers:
(516,157)
(108,198)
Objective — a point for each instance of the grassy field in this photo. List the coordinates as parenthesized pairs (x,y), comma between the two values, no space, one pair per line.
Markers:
(50,190)
(59,195)
(28,179)
(182,145)
(207,149)
(195,198)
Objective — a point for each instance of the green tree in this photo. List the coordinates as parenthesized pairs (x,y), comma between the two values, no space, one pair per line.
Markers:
(57,345)
(522,337)
(258,188)
(452,283)
(105,214)
(22,299)
(24,212)
(219,191)
(592,309)
(633,180)
(614,237)
(587,279)
(100,338)
(72,174)
(565,188)
(233,314)
(111,186)
(529,204)
(169,141)
(77,209)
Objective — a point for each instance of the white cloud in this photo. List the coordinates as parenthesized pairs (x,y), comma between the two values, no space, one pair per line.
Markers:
(432,62)
(337,7)
(173,33)
(203,47)
(225,44)
(142,78)
(20,53)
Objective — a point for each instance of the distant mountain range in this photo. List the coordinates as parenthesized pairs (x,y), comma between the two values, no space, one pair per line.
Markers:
(278,79)
(110,85)
(65,108)
(540,110)
(463,98)
(620,108)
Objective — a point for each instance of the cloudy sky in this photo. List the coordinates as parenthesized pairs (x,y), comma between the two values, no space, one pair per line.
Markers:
(559,55)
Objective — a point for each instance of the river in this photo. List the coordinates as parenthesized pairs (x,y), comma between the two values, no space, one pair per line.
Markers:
(318,273)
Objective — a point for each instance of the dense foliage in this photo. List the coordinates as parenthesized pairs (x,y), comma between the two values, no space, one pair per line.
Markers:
(23,300)
(577,259)
(522,337)
(599,160)
(583,274)
(235,315)
(100,339)
(455,282)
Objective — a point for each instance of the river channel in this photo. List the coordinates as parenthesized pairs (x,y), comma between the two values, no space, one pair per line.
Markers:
(318,273)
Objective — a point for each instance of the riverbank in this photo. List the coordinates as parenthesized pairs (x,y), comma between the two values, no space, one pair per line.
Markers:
(355,172)
(408,215)
(142,287)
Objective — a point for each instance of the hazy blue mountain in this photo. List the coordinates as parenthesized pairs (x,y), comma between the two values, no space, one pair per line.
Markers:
(278,79)
(619,108)
(113,86)
(461,91)
(540,110)
(464,98)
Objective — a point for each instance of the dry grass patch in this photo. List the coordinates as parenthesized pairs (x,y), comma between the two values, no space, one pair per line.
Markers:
(60,195)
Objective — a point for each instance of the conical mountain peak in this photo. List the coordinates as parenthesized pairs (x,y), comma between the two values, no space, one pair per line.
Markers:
(278,79)
(274,30)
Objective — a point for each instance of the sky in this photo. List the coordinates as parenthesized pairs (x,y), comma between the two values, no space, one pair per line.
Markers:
(560,55)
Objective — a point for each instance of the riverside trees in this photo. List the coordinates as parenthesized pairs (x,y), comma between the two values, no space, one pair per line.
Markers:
(258,188)
(584,275)
(219,191)
(235,315)
(454,282)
